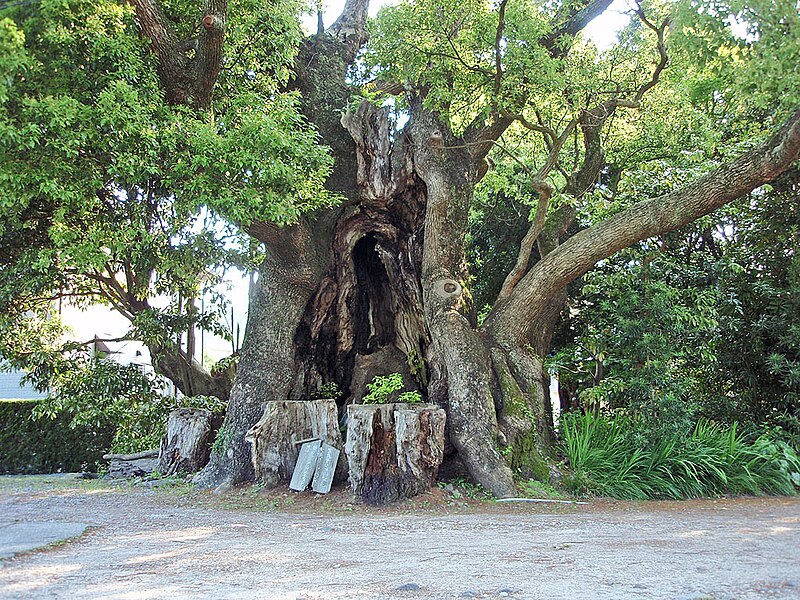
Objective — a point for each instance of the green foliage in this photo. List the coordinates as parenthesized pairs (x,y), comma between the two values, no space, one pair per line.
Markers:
(383,388)
(607,458)
(229,363)
(98,392)
(747,50)
(410,398)
(210,403)
(532,488)
(31,445)
(448,48)
(460,488)
(110,194)
(223,441)
(700,323)
(328,391)
(642,340)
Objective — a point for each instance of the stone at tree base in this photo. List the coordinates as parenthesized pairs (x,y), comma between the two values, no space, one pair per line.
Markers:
(393,450)
(126,466)
(186,446)
(273,440)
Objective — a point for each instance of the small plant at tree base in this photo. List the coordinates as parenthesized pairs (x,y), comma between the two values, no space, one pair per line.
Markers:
(222,442)
(384,386)
(461,488)
(328,391)
(410,398)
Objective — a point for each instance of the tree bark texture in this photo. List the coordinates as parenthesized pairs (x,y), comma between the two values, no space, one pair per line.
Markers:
(186,446)
(267,365)
(275,439)
(393,450)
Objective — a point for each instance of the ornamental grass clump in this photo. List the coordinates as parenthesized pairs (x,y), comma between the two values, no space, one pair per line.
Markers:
(713,460)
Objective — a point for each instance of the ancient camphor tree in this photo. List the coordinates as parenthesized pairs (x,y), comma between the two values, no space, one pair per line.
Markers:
(378,282)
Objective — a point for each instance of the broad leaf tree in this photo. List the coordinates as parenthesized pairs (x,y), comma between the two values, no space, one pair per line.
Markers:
(113,188)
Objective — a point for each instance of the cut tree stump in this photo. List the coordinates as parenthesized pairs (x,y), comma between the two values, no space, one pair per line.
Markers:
(276,439)
(186,446)
(393,450)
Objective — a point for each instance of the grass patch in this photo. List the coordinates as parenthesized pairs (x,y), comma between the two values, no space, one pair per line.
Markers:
(537,489)
(712,460)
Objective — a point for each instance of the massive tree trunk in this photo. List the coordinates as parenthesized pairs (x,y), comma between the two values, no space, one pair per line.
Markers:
(286,281)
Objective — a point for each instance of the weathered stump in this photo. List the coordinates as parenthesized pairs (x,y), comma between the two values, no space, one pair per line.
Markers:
(393,450)
(187,444)
(274,440)
(124,466)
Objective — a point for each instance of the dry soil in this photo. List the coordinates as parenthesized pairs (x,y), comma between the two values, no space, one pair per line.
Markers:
(172,542)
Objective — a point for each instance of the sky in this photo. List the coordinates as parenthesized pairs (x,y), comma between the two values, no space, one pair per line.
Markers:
(603,30)
(105,322)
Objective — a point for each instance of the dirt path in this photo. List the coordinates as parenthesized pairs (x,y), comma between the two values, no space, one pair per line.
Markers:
(175,543)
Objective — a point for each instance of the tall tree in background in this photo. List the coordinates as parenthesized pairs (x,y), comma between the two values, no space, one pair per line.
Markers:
(113,182)
(380,278)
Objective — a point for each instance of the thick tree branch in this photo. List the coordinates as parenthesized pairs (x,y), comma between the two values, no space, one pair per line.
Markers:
(591,123)
(187,374)
(482,139)
(545,190)
(509,322)
(173,65)
(209,52)
(185,80)
(548,133)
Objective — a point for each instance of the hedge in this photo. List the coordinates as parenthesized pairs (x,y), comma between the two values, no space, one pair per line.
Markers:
(47,445)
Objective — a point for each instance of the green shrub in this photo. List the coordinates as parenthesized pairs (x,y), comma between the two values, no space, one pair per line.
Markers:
(29,445)
(710,461)
(100,391)
(383,388)
(103,391)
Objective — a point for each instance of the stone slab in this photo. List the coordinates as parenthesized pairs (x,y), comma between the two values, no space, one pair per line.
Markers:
(327,459)
(306,464)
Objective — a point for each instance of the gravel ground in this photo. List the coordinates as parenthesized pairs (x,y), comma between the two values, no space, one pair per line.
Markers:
(174,542)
